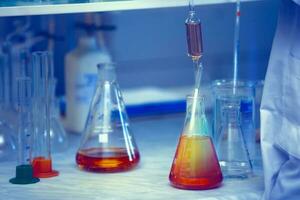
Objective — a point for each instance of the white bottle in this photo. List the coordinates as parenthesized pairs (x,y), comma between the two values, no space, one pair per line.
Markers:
(80,78)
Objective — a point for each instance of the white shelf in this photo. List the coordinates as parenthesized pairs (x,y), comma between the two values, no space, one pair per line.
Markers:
(101,6)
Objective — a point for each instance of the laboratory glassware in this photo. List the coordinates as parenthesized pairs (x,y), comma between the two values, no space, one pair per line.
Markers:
(194,35)
(231,146)
(7,140)
(59,141)
(195,45)
(43,71)
(107,144)
(223,92)
(195,165)
(236,45)
(248,129)
(24,169)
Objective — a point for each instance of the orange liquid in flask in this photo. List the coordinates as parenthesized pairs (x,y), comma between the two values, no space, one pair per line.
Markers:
(195,165)
(107,159)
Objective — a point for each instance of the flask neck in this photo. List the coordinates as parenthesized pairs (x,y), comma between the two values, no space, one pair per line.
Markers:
(106,72)
(231,115)
(195,120)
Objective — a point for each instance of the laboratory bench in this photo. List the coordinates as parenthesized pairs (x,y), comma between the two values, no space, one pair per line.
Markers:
(157,139)
(156,136)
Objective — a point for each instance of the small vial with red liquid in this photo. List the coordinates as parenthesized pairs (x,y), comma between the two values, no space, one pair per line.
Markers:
(194,36)
(195,165)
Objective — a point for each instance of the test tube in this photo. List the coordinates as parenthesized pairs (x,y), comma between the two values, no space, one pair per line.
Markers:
(194,36)
(43,71)
(24,170)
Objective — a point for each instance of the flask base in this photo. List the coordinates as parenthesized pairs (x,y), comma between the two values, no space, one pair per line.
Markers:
(106,159)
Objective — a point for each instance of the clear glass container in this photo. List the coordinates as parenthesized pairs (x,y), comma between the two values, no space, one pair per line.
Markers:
(231,146)
(43,72)
(194,36)
(7,132)
(195,165)
(223,92)
(24,169)
(107,144)
(58,135)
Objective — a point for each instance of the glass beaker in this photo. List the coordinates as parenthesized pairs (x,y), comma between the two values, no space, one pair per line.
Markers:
(231,146)
(245,93)
(107,144)
(195,164)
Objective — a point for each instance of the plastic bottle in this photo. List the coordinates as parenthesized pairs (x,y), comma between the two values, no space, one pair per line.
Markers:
(81,76)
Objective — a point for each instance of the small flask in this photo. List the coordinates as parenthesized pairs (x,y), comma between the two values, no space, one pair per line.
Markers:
(195,164)
(107,144)
(232,150)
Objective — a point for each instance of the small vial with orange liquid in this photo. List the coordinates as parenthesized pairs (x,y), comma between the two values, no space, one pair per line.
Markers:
(107,144)
(195,165)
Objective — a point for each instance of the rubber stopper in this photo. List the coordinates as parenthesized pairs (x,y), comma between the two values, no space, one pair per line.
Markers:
(24,175)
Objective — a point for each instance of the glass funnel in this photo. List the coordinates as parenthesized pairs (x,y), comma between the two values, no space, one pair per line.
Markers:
(232,150)
(195,164)
(107,144)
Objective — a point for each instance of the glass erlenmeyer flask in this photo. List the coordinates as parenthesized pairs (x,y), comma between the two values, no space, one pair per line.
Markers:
(232,150)
(107,144)
(195,164)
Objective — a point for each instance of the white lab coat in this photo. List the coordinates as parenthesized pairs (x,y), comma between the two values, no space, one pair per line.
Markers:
(280,109)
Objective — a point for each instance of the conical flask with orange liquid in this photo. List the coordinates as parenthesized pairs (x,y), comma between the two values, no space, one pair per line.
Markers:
(195,164)
(107,144)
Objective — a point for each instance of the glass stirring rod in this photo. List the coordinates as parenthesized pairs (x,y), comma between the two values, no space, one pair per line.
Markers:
(236,44)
